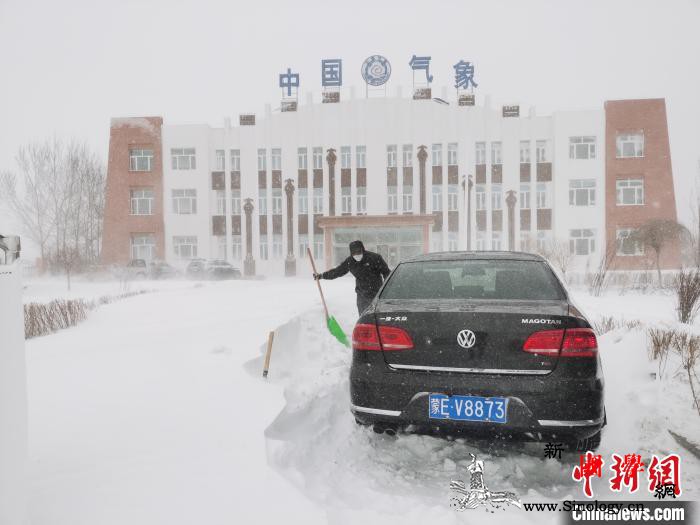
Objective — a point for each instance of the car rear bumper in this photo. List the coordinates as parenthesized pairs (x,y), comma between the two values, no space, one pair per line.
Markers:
(549,405)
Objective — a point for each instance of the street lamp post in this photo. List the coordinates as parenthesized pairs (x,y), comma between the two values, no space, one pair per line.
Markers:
(469,180)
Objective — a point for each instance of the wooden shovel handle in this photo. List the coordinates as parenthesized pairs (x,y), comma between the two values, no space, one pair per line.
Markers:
(318,282)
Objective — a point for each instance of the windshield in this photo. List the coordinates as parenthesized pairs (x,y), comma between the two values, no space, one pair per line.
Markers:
(474,279)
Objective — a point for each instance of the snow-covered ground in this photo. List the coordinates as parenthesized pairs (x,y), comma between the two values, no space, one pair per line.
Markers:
(154,411)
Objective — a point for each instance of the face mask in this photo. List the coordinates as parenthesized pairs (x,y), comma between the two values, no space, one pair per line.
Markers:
(358,258)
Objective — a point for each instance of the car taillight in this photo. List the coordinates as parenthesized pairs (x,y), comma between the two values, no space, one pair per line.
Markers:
(367,337)
(573,342)
(546,342)
(579,342)
(394,338)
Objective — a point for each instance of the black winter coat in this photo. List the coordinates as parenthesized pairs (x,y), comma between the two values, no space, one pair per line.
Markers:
(369,273)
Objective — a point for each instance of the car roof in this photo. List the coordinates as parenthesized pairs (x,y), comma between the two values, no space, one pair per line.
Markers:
(476,256)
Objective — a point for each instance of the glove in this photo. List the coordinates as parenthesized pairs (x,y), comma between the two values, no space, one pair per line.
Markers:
(318,276)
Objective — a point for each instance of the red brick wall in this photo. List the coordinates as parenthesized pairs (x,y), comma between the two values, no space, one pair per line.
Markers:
(119,224)
(649,116)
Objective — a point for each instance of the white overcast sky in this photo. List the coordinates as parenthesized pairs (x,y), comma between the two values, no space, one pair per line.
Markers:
(69,66)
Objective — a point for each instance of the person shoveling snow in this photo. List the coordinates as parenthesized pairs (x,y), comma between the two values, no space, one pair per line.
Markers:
(369,269)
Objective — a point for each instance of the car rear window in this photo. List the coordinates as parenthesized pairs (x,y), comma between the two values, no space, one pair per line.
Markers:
(474,279)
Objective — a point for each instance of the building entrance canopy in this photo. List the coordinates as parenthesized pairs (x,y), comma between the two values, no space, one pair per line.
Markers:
(394,237)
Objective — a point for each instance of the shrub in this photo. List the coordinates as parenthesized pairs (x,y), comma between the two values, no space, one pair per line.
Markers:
(687,287)
(42,319)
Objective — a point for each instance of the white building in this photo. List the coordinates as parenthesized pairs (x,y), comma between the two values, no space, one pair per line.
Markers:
(578,178)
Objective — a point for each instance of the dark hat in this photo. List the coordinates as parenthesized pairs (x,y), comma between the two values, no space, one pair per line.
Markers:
(356,248)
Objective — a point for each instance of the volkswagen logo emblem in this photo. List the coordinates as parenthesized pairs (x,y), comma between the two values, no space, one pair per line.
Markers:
(466,338)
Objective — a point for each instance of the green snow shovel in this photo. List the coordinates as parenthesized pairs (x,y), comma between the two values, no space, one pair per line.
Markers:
(333,326)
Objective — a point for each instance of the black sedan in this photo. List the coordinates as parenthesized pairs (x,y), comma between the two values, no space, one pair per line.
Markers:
(484,343)
(221,270)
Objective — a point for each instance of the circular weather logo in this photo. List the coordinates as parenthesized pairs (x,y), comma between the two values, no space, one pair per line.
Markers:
(376,70)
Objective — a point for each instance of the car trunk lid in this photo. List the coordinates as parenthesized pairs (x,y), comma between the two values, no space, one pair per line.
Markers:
(475,336)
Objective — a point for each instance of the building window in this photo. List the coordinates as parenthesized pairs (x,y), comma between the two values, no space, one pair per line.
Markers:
(360,154)
(525,196)
(407,198)
(452,154)
(185,201)
(437,154)
(437,198)
(262,201)
(140,159)
(318,247)
(220,159)
(361,200)
(277,246)
(582,192)
(627,244)
(542,151)
(480,241)
(235,160)
(303,200)
(185,246)
(302,154)
(345,157)
(525,151)
(630,145)
(142,201)
(452,197)
(235,202)
(496,197)
(183,158)
(392,199)
(407,155)
(237,248)
(581,147)
(346,199)
(276,157)
(542,195)
(582,242)
(220,202)
(496,153)
(630,192)
(262,159)
(303,245)
(264,254)
(143,246)
(318,200)
(276,201)
(496,241)
(480,153)
(525,241)
(480,196)
(452,241)
(391,156)
(318,158)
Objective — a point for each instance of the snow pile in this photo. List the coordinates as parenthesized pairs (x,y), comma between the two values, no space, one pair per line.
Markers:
(355,474)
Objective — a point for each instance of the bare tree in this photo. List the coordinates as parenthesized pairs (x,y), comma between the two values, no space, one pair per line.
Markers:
(558,252)
(657,234)
(60,202)
(598,278)
(27,196)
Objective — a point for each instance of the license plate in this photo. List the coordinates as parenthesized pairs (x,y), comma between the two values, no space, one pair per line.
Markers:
(468,408)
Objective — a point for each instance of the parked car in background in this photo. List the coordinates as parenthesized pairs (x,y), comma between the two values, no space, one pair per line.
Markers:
(195,269)
(219,269)
(136,268)
(162,270)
